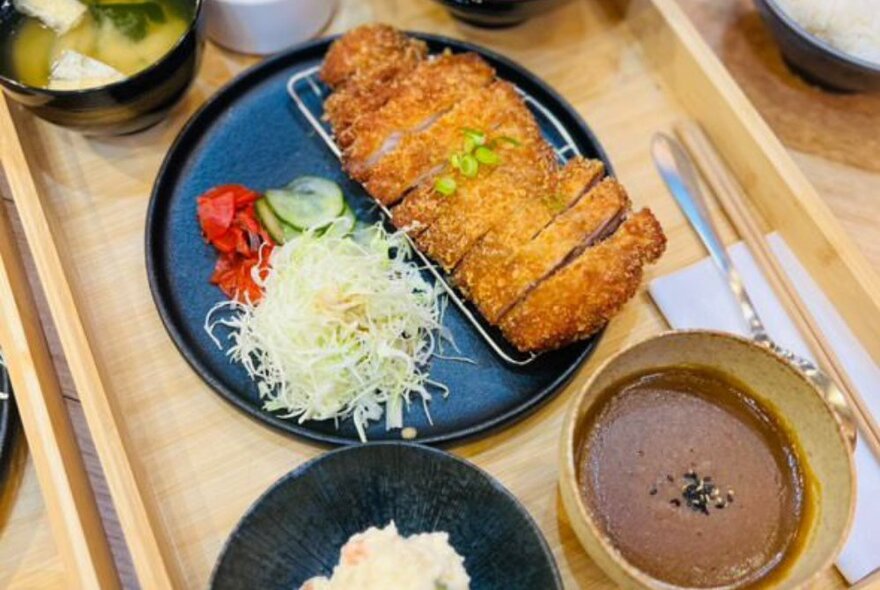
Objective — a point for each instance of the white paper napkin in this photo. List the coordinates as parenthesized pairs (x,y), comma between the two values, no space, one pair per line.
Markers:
(697,297)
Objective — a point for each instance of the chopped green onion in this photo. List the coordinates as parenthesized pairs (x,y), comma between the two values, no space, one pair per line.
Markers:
(455,161)
(468,145)
(507,139)
(477,136)
(486,156)
(469,166)
(445,185)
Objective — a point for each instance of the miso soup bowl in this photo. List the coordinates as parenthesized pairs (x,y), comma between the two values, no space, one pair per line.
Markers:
(793,400)
(133,104)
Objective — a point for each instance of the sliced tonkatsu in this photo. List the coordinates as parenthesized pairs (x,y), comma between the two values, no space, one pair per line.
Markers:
(365,68)
(581,297)
(592,218)
(369,51)
(519,131)
(548,253)
(568,185)
(471,213)
(421,97)
(420,156)
(358,98)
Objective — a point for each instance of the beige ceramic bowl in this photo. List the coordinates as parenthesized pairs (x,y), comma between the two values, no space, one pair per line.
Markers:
(779,387)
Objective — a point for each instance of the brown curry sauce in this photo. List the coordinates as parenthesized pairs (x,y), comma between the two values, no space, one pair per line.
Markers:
(694,482)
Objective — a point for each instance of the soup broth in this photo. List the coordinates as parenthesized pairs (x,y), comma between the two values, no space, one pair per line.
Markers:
(127,36)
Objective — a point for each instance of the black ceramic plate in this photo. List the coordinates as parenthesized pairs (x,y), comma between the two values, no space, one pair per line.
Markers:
(295,531)
(252,133)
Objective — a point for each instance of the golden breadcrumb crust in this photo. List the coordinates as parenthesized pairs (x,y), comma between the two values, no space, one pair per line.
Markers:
(579,299)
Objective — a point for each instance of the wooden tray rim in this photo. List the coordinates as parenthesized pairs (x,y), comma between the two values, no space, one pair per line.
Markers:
(714,88)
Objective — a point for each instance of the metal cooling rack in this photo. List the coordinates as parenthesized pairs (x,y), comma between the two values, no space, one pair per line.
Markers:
(308,93)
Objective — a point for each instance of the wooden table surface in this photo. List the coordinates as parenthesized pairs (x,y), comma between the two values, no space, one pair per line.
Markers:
(835,139)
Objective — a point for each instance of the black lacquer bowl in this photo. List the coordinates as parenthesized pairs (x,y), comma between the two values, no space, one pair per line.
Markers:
(295,531)
(8,425)
(252,133)
(127,106)
(498,13)
(814,59)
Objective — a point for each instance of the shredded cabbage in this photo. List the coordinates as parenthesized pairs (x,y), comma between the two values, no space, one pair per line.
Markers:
(345,328)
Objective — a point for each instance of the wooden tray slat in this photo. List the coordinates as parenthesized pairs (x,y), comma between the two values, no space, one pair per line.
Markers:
(66,490)
(87,375)
(183,465)
(29,557)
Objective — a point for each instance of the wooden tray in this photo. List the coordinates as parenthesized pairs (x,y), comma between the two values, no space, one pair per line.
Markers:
(832,137)
(28,554)
(183,465)
(80,556)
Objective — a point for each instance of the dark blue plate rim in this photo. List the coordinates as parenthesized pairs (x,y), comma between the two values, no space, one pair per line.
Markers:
(304,469)
(166,177)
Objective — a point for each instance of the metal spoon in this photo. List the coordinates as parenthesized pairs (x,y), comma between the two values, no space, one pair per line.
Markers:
(677,170)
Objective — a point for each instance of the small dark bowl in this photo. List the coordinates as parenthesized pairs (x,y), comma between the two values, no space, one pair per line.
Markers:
(296,529)
(498,13)
(8,427)
(127,106)
(814,59)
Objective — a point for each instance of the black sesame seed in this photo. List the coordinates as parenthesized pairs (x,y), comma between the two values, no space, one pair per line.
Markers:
(670,478)
(653,491)
(675,502)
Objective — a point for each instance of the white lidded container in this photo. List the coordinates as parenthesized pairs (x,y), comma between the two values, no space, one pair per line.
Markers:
(265,26)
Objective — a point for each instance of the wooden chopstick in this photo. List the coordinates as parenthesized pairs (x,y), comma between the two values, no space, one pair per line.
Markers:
(732,200)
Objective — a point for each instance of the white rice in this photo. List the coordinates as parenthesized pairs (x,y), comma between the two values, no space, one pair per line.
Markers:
(853,26)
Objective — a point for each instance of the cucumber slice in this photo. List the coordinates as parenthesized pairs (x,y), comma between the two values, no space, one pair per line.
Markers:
(307,202)
(273,226)
(344,224)
(290,232)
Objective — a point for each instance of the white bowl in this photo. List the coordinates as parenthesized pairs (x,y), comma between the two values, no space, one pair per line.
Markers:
(265,26)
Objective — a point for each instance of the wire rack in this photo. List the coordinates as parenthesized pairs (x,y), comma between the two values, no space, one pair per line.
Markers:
(308,93)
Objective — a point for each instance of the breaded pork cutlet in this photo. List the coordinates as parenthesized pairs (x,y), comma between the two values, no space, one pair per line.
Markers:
(369,51)
(593,217)
(365,67)
(547,253)
(433,88)
(580,298)
(569,184)
(472,211)
(364,95)
(419,156)
(423,205)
